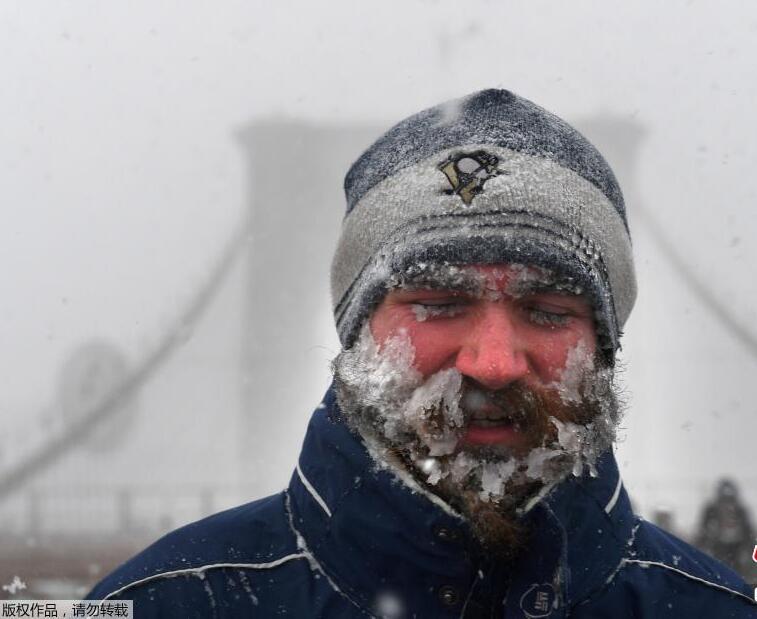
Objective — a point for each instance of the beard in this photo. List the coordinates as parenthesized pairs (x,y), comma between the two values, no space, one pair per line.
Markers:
(416,427)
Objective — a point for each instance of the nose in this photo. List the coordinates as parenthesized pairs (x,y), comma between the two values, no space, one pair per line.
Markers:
(492,352)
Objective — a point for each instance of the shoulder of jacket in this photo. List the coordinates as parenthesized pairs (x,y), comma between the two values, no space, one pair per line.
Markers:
(661,573)
(655,546)
(252,536)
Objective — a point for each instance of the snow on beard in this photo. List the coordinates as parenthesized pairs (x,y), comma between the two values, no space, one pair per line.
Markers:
(384,397)
(411,425)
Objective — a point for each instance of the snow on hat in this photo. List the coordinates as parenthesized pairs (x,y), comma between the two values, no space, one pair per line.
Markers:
(489,178)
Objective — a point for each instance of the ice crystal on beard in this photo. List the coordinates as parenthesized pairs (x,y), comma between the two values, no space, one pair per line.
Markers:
(438,396)
(537,459)
(407,404)
(494,476)
(578,441)
(578,365)
(382,376)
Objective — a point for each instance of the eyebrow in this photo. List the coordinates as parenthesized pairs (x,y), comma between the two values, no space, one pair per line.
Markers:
(463,279)
(439,277)
(554,284)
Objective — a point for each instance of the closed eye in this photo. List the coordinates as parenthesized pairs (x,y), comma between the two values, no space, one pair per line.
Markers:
(554,310)
(547,317)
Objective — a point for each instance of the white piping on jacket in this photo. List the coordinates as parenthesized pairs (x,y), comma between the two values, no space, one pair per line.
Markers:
(199,571)
(314,564)
(615,496)
(643,563)
(313,492)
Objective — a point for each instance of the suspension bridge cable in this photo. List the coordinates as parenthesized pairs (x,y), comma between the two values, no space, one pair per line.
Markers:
(745,337)
(78,431)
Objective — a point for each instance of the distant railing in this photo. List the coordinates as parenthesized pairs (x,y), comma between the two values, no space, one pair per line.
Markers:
(134,510)
(123,511)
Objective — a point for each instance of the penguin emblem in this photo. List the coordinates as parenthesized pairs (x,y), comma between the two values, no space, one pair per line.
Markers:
(467,173)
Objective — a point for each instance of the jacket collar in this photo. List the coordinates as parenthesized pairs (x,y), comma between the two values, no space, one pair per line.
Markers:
(376,538)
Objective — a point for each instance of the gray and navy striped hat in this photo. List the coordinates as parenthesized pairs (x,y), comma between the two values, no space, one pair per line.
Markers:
(489,178)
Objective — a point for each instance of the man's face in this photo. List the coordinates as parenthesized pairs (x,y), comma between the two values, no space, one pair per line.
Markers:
(482,382)
(513,328)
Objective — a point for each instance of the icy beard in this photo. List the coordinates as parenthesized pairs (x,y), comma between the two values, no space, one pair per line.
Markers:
(413,427)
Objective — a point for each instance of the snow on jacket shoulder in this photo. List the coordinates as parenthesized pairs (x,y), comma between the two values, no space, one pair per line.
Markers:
(346,540)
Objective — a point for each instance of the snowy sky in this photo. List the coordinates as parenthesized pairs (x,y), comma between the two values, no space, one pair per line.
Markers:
(121,177)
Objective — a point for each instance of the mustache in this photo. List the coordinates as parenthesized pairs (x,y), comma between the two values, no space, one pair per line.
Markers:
(515,403)
(511,403)
(530,410)
(518,403)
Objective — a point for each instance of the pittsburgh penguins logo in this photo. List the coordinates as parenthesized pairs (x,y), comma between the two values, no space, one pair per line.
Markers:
(467,173)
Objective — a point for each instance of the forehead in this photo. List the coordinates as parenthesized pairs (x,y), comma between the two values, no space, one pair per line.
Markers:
(507,278)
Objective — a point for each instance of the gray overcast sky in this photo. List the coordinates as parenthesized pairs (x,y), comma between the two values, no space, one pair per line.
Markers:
(121,176)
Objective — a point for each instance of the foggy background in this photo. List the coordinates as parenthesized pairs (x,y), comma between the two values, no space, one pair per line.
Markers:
(170,192)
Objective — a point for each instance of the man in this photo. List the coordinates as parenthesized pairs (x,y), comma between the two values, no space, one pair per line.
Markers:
(725,529)
(461,464)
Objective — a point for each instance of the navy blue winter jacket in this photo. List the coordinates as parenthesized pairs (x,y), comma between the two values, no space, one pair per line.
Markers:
(345,540)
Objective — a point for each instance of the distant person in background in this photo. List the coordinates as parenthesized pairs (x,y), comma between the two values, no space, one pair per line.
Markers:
(461,464)
(726,530)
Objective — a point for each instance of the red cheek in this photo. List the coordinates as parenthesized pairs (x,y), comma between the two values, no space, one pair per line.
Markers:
(550,355)
(433,352)
(435,344)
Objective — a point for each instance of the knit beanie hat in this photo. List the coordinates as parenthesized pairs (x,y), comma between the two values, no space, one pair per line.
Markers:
(490,178)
